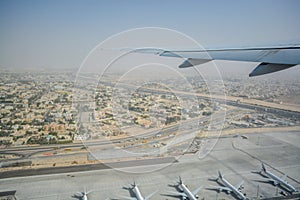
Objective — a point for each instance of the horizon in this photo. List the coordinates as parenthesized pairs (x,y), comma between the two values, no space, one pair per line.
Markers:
(52,34)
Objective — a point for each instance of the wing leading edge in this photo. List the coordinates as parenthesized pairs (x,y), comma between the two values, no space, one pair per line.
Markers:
(271,59)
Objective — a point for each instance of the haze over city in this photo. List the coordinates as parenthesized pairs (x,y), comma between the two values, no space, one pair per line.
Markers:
(60,34)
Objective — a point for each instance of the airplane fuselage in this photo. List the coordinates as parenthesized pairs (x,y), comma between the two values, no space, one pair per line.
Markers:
(233,189)
(137,193)
(188,193)
(278,180)
(84,197)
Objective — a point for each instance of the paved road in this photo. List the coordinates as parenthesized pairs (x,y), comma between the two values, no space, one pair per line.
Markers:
(26,152)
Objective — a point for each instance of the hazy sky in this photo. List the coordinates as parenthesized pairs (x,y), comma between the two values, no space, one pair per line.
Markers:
(60,33)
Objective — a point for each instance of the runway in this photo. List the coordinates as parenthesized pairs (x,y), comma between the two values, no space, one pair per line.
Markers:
(89,167)
(235,157)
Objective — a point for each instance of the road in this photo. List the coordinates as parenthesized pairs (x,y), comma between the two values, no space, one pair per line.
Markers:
(291,111)
(191,124)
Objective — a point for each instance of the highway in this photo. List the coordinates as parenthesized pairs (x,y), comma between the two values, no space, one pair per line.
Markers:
(235,102)
(191,125)
(293,112)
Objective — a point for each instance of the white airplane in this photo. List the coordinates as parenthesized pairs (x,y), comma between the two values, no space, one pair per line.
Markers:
(270,58)
(228,187)
(186,193)
(83,195)
(275,179)
(137,194)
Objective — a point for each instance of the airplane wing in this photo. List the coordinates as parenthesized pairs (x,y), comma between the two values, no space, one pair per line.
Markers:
(179,194)
(284,177)
(220,188)
(196,191)
(238,186)
(128,198)
(273,181)
(150,195)
(271,59)
(79,194)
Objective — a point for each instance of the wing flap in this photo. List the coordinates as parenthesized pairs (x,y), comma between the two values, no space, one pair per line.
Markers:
(266,68)
(193,62)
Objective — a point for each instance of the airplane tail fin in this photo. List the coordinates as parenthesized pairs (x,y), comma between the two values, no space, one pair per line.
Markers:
(180,180)
(134,184)
(83,193)
(263,168)
(220,175)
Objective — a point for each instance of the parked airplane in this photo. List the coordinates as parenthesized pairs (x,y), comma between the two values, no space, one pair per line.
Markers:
(82,195)
(228,187)
(137,194)
(270,58)
(275,179)
(186,193)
